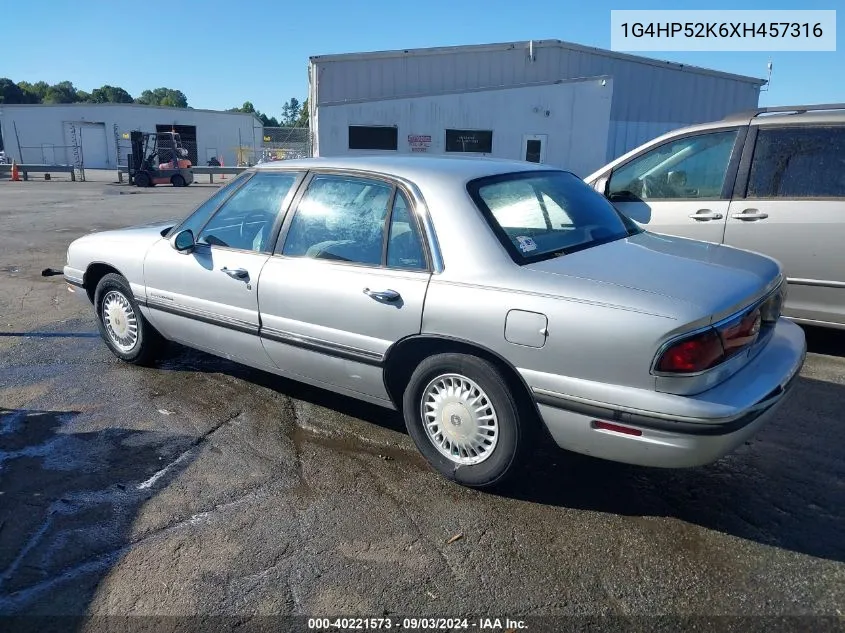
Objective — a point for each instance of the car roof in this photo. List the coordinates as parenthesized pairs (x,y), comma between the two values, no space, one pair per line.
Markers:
(412,168)
(778,115)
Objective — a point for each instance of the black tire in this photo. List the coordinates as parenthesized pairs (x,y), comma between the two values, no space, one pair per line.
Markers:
(513,436)
(177,180)
(142,179)
(148,342)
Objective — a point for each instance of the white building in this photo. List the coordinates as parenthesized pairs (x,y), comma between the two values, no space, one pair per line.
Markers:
(547,101)
(46,133)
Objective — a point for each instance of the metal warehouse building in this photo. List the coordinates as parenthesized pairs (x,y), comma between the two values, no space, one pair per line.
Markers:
(545,100)
(47,134)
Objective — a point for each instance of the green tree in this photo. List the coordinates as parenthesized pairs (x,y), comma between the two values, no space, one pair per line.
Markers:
(62,92)
(110,94)
(290,112)
(303,119)
(247,107)
(10,92)
(33,93)
(267,121)
(163,97)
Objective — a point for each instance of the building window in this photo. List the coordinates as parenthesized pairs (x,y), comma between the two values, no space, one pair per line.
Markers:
(373,137)
(477,141)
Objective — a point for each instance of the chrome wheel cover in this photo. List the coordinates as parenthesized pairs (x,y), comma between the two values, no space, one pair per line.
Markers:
(120,321)
(459,419)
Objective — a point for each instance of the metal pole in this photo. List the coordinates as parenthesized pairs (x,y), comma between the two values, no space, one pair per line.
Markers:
(18,139)
(240,145)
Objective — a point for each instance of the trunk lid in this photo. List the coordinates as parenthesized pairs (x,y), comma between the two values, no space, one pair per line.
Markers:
(716,280)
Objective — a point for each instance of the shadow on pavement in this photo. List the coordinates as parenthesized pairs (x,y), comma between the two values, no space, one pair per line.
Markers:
(785,488)
(180,358)
(68,500)
(826,341)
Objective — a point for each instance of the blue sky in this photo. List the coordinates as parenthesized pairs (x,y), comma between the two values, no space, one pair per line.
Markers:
(221,53)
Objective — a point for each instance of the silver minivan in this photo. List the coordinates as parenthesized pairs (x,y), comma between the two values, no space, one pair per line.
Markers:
(771,180)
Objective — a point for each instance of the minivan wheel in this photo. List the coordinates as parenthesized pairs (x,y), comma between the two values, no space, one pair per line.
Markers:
(464,419)
(122,326)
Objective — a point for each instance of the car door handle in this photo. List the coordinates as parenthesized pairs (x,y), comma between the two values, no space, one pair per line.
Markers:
(750,214)
(236,273)
(382,295)
(706,214)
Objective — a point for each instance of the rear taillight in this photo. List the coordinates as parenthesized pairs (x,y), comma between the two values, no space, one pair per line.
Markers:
(738,334)
(693,354)
(707,349)
(772,307)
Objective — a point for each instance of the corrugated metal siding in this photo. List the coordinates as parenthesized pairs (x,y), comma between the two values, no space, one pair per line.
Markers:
(576,126)
(649,96)
(47,125)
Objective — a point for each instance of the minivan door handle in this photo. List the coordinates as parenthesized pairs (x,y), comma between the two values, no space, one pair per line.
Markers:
(750,214)
(383,295)
(706,214)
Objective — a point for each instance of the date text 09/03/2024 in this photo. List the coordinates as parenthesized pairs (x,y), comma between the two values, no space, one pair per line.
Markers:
(416,624)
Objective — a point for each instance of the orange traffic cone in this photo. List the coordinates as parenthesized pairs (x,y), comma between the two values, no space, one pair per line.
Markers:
(15,175)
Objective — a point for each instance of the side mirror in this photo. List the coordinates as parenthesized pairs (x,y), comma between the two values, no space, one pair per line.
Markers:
(183,241)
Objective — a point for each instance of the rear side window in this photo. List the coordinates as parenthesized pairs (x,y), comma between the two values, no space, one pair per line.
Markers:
(340,218)
(798,162)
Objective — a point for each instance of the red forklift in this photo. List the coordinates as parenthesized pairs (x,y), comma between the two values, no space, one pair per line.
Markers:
(159,158)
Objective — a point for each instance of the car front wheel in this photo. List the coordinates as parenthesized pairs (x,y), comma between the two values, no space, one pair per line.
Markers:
(121,324)
(464,419)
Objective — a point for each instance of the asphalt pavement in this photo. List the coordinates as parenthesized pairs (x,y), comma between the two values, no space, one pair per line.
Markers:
(202,487)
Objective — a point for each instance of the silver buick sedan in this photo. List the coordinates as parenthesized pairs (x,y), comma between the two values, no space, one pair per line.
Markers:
(492,302)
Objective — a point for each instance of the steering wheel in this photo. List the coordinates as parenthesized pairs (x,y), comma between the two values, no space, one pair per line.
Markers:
(253,217)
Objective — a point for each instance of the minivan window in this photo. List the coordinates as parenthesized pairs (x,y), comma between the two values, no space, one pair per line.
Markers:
(542,214)
(798,162)
(693,167)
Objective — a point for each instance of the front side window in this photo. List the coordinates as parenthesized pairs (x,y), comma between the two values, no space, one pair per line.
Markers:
(694,167)
(538,215)
(198,218)
(798,163)
(341,218)
(246,220)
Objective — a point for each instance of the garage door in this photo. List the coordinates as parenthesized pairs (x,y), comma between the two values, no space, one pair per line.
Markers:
(95,152)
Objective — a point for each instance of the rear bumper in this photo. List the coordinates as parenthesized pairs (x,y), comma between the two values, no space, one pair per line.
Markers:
(658,439)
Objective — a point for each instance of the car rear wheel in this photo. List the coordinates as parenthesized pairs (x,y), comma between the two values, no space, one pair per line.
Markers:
(124,329)
(464,419)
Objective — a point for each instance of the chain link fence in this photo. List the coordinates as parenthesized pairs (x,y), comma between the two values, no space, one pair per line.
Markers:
(277,143)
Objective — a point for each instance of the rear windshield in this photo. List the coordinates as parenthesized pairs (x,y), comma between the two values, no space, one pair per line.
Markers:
(543,214)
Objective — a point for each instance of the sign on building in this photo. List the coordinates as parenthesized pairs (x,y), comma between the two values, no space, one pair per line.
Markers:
(419,142)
